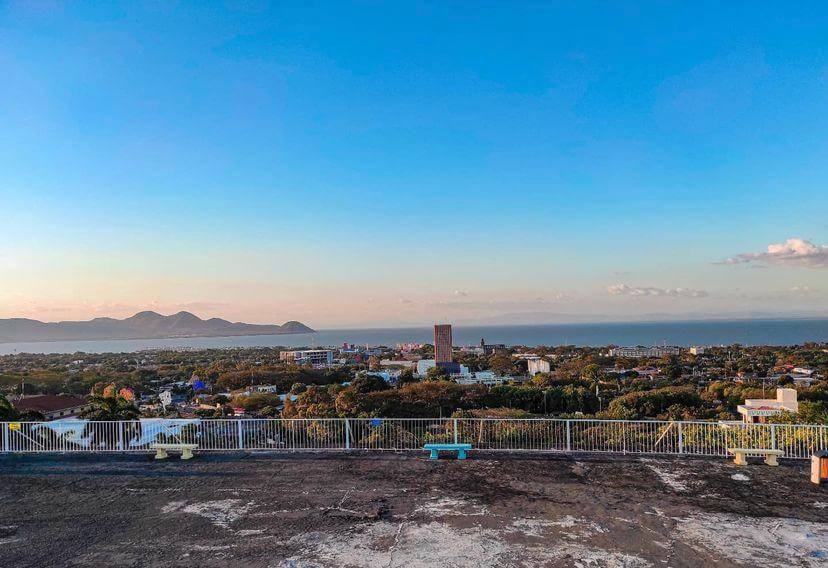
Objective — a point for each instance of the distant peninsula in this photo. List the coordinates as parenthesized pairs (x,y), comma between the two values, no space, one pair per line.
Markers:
(143,325)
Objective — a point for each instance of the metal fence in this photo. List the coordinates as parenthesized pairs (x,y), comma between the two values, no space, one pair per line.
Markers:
(401,434)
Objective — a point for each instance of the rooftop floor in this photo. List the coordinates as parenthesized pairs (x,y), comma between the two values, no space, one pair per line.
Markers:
(402,510)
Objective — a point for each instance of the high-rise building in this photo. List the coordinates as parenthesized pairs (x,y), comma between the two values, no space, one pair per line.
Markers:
(442,343)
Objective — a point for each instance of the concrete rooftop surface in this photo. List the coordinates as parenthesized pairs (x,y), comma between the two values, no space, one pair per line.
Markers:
(402,510)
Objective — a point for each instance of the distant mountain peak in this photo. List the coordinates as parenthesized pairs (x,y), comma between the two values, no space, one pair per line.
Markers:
(146,314)
(186,315)
(143,325)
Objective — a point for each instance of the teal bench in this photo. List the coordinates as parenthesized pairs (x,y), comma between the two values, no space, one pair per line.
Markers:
(435,449)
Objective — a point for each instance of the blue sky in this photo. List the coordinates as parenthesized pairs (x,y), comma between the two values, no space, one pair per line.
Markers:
(387,163)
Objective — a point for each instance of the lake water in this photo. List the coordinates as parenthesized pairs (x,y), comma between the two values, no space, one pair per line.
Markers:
(746,332)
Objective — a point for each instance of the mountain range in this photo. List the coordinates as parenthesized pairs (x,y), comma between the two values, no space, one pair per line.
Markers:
(143,325)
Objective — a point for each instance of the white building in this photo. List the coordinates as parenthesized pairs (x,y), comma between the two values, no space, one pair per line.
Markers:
(698,350)
(402,363)
(758,409)
(423,365)
(487,378)
(315,357)
(637,352)
(537,365)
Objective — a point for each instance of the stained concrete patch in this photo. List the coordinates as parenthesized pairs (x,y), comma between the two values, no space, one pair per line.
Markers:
(438,544)
(534,527)
(674,480)
(569,527)
(222,513)
(8,534)
(445,506)
(758,541)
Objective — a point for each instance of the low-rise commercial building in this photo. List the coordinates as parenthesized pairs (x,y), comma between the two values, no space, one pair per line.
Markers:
(487,378)
(315,357)
(398,363)
(637,352)
(756,410)
(52,406)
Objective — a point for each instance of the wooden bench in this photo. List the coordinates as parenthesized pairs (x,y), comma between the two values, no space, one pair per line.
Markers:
(161,450)
(435,450)
(740,455)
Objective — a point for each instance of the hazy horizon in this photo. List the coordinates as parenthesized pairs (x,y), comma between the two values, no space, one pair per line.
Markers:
(539,320)
(357,166)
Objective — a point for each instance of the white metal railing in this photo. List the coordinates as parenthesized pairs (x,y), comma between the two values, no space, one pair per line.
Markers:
(400,434)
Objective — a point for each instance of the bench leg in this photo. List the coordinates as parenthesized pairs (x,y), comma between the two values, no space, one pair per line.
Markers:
(461,454)
(186,454)
(739,459)
(770,459)
(161,454)
(433,455)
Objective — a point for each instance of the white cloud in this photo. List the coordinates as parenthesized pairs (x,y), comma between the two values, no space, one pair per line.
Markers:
(793,252)
(642,291)
(801,291)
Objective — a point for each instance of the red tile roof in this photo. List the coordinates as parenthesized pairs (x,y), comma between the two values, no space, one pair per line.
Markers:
(49,402)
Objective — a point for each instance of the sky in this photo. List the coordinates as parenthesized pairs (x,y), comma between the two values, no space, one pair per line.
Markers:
(377,164)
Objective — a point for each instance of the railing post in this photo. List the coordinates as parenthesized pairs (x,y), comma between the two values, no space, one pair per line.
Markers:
(455,431)
(347,434)
(241,435)
(623,438)
(568,436)
(773,436)
(121,436)
(6,443)
(681,438)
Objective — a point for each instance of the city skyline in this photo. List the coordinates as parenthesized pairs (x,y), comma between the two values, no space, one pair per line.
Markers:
(518,163)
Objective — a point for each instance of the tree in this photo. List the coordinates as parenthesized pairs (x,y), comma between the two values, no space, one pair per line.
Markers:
(671,366)
(406,378)
(543,380)
(369,383)
(374,363)
(592,372)
(809,413)
(314,402)
(470,360)
(501,364)
(785,380)
(107,403)
(7,411)
(256,401)
(651,404)
(437,373)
